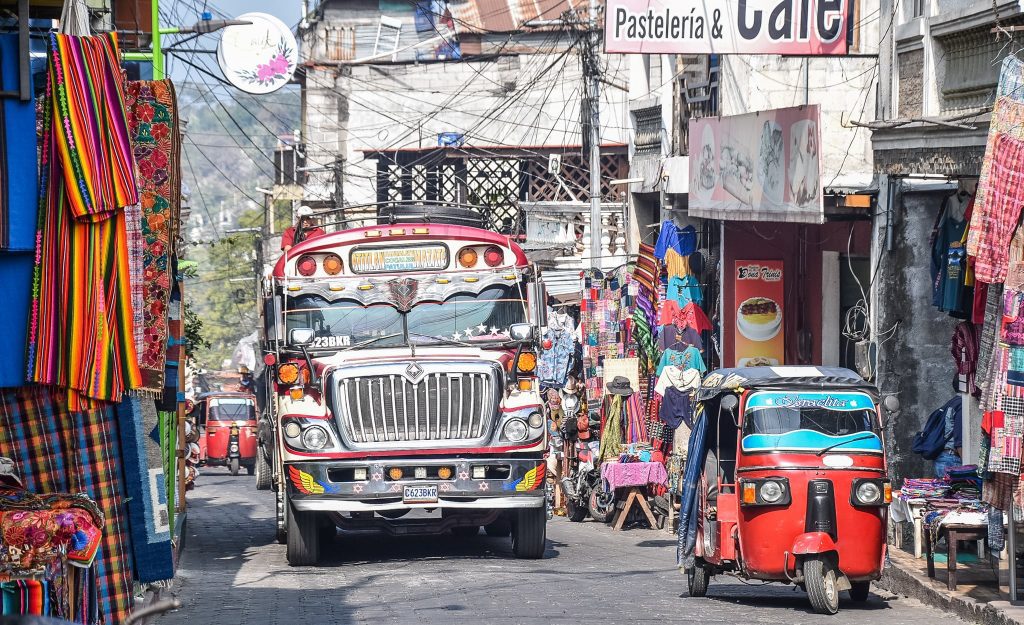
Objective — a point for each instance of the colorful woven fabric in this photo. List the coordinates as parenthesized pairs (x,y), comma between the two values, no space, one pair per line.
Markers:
(74,452)
(993,226)
(147,490)
(80,335)
(153,121)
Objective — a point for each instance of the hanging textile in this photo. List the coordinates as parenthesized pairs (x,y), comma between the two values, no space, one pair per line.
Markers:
(153,124)
(611,429)
(1004,197)
(139,428)
(57,450)
(80,335)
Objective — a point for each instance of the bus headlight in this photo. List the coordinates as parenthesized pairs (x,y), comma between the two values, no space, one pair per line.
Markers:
(515,430)
(314,437)
(536,420)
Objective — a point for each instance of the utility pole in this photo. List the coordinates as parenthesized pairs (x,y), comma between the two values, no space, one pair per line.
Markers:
(592,72)
(339,181)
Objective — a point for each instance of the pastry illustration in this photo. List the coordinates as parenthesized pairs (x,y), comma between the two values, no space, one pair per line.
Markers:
(759,318)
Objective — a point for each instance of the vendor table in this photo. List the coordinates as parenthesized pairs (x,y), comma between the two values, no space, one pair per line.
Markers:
(954,532)
(632,476)
(910,510)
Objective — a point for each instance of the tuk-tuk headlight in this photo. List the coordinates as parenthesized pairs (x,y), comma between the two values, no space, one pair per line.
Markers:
(868,493)
(771,491)
(314,437)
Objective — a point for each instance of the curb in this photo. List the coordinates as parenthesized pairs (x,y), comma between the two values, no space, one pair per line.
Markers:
(901,580)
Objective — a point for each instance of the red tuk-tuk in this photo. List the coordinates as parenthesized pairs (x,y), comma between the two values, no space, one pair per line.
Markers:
(227,426)
(786,481)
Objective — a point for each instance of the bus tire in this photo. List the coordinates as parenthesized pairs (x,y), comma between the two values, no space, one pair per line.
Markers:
(304,531)
(264,475)
(529,533)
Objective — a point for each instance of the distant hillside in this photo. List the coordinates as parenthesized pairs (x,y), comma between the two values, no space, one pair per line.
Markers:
(228,152)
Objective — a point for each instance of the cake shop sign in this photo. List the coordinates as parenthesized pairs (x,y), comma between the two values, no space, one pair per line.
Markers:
(791,27)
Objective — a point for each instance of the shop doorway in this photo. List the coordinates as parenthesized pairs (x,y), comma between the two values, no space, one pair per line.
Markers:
(850,298)
(843,311)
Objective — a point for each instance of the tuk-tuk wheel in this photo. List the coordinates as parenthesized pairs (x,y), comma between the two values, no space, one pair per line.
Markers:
(859,591)
(698,577)
(820,579)
(233,466)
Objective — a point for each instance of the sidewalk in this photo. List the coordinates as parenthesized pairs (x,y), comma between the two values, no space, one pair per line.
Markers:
(977,597)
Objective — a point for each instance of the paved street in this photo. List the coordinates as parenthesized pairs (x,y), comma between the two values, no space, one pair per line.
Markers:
(233,572)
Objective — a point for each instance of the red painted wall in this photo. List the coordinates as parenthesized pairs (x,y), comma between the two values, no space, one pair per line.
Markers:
(790,243)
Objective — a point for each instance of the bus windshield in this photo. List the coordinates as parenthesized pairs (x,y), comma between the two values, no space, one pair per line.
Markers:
(462,317)
(810,421)
(470,318)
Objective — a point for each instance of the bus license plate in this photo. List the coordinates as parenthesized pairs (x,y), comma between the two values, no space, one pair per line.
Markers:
(420,494)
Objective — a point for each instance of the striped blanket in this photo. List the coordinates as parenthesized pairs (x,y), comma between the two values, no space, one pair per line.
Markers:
(80,331)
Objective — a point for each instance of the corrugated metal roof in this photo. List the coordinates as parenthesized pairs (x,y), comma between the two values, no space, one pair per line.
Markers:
(507,15)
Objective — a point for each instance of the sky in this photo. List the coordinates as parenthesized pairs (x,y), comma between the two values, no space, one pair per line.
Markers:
(288,11)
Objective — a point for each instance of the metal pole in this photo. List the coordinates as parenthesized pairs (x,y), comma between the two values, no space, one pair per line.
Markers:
(158,53)
(591,66)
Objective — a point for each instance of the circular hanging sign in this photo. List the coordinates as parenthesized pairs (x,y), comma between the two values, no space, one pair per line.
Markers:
(259,57)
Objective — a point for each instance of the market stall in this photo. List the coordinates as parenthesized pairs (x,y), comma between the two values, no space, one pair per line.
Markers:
(619,370)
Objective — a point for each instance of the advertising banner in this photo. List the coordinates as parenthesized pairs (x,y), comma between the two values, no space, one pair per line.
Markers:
(760,332)
(792,27)
(763,166)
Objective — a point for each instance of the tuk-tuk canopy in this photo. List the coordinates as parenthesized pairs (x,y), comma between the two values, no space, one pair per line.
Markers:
(793,377)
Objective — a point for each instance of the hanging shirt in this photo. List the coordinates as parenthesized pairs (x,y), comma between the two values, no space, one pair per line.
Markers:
(671,337)
(681,379)
(554,363)
(954,277)
(684,290)
(689,358)
(950,229)
(676,265)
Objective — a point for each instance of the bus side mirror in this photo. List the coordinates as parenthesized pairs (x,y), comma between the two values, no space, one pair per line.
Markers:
(521,332)
(300,336)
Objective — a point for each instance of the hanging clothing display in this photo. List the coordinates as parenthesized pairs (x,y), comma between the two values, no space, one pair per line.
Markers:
(672,337)
(80,334)
(555,361)
(684,289)
(153,123)
(689,358)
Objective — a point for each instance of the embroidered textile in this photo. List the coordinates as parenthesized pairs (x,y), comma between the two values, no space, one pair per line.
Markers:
(153,123)
(80,335)
(1005,454)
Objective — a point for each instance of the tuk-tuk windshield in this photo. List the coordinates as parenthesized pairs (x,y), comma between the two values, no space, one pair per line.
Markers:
(810,422)
(232,409)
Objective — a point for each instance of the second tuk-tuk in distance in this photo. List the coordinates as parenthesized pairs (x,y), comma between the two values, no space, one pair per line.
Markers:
(786,481)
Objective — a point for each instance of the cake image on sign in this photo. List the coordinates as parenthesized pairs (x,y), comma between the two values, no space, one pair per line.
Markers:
(759,318)
(259,57)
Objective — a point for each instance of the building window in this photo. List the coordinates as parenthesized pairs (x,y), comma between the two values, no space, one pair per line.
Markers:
(647,130)
(911,84)
(917,8)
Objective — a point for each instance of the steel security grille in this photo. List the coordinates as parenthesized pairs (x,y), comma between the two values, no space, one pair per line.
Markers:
(440,406)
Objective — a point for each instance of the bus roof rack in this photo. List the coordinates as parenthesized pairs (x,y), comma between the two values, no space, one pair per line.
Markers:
(395,212)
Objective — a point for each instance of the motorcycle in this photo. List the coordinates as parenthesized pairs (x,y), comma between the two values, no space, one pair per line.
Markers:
(584,491)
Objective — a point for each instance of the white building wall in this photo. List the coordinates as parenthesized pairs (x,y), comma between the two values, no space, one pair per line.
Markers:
(520,101)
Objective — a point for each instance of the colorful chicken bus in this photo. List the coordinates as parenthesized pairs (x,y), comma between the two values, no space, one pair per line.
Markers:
(402,393)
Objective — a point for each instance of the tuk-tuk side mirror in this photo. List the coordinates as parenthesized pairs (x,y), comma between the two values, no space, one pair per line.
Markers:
(729,404)
(891,403)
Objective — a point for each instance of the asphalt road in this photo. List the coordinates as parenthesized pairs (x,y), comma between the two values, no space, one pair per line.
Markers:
(233,572)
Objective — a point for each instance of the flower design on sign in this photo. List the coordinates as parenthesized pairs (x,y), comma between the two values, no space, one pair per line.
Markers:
(278,67)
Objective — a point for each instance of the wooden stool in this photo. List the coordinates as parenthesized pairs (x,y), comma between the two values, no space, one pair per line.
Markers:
(635,495)
(953,532)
